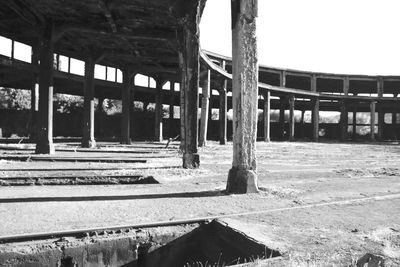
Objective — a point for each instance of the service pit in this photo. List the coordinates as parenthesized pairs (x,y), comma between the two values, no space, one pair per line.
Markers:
(205,244)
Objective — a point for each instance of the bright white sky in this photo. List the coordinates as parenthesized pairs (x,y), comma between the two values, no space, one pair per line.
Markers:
(339,36)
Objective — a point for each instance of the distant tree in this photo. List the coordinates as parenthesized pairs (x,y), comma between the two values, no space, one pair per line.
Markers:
(15,99)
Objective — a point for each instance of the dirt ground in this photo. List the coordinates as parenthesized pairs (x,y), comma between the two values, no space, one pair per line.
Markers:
(320,203)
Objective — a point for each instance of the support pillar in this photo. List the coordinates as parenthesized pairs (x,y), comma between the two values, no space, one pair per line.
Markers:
(44,141)
(158,116)
(394,124)
(282,79)
(267,116)
(242,176)
(282,101)
(205,109)
(313,83)
(302,124)
(344,122)
(354,121)
(381,122)
(171,109)
(372,108)
(34,95)
(88,105)
(291,118)
(223,109)
(315,119)
(126,107)
(189,65)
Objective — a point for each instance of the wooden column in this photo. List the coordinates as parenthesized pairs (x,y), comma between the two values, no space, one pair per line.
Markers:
(34,95)
(88,105)
(171,109)
(315,119)
(223,109)
(302,126)
(344,122)
(313,83)
(282,102)
(354,121)
(346,86)
(372,108)
(126,106)
(189,65)
(158,112)
(242,176)
(267,116)
(291,118)
(282,79)
(205,106)
(381,114)
(44,141)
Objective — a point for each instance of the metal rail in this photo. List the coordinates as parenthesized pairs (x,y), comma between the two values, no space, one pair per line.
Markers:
(197,220)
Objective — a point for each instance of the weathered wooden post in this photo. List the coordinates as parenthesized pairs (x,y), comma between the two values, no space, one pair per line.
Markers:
(171,109)
(373,109)
(44,141)
(282,101)
(291,118)
(267,116)
(126,106)
(315,119)
(189,53)
(205,102)
(223,108)
(34,95)
(343,120)
(158,112)
(242,176)
(88,104)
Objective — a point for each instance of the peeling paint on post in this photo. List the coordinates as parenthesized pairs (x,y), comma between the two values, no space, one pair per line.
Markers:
(88,105)
(44,142)
(242,177)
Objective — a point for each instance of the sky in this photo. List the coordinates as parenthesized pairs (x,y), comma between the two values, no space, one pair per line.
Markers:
(337,36)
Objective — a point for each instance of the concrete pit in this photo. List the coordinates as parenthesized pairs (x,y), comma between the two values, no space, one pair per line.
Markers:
(210,244)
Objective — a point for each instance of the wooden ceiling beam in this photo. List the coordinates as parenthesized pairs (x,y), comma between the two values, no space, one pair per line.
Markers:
(108,15)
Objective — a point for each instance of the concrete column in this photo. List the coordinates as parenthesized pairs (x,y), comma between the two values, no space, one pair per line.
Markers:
(267,116)
(88,105)
(223,109)
(373,108)
(344,122)
(282,102)
(354,121)
(242,177)
(282,80)
(291,118)
(315,119)
(34,95)
(171,109)
(313,83)
(189,65)
(44,141)
(158,112)
(205,109)
(126,107)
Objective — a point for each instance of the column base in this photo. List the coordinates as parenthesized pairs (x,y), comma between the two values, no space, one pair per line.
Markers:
(88,143)
(222,141)
(126,142)
(191,161)
(267,140)
(45,149)
(241,181)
